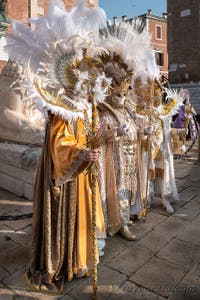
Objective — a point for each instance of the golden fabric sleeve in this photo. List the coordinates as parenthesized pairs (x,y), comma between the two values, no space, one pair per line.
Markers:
(68,156)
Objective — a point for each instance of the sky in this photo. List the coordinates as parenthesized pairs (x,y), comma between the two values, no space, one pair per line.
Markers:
(132,8)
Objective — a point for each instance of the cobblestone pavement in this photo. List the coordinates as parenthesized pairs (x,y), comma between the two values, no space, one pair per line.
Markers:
(164,262)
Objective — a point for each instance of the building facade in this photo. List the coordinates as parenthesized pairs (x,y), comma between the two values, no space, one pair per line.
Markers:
(30,9)
(184,46)
(157,27)
(184,40)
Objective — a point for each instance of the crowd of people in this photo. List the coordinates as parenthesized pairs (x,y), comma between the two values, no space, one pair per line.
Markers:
(105,119)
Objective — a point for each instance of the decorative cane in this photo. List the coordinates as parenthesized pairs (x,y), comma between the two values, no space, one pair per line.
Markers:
(94,202)
(144,212)
(94,82)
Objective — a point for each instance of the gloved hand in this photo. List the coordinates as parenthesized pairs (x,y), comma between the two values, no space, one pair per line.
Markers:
(148,130)
(123,130)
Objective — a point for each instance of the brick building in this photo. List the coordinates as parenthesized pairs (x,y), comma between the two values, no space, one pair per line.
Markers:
(157,26)
(184,46)
(24,9)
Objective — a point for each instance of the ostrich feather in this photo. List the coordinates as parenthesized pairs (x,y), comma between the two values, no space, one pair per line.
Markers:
(134,45)
(47,45)
(174,102)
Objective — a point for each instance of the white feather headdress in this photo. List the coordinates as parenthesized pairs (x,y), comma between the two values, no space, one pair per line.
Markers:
(52,51)
(133,45)
(174,101)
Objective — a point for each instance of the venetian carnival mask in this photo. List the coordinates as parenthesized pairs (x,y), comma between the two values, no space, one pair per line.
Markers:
(116,69)
(119,94)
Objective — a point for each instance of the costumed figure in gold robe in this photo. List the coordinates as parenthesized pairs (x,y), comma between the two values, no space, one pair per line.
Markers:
(61,79)
(62,241)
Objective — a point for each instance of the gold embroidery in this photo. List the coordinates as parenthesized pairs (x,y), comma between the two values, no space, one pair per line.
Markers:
(167,108)
(157,155)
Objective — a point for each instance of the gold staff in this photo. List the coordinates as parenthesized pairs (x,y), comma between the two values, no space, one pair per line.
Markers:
(94,143)
(144,212)
(94,204)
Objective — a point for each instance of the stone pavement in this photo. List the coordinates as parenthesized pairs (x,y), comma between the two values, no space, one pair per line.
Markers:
(164,262)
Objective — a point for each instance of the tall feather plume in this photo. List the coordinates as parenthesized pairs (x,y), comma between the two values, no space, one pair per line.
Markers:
(174,102)
(49,42)
(132,43)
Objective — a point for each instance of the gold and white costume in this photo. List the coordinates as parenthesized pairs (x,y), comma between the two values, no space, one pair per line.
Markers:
(156,150)
(120,156)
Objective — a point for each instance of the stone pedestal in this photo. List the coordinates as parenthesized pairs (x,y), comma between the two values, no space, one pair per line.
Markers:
(21,135)
(18,165)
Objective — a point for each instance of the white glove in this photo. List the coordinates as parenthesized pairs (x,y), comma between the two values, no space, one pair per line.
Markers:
(123,130)
(148,130)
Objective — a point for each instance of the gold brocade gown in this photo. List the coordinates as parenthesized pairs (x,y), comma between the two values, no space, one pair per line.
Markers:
(120,156)
(62,221)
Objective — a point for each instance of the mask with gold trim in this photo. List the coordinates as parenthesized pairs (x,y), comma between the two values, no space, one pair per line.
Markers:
(115,68)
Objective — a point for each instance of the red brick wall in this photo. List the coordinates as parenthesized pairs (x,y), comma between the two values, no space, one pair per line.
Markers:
(16,10)
(184,41)
(45,3)
(159,44)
